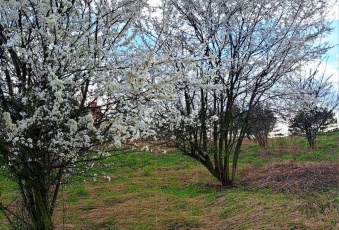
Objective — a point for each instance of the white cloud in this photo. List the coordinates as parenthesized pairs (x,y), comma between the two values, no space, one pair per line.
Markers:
(334,71)
(334,11)
(154,2)
(326,68)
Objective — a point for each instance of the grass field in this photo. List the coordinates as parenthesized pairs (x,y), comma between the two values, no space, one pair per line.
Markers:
(283,186)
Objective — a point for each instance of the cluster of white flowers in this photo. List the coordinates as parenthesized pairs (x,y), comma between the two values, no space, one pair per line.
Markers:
(71,62)
(8,121)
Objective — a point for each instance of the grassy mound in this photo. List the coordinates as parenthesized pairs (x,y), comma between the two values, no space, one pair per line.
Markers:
(283,186)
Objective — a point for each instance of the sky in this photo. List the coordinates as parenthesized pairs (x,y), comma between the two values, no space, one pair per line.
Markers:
(333,54)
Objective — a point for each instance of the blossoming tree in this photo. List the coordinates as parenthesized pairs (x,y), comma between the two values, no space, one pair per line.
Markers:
(313,102)
(238,50)
(58,58)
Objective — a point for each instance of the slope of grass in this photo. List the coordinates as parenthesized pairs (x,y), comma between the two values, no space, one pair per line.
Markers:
(171,191)
(292,148)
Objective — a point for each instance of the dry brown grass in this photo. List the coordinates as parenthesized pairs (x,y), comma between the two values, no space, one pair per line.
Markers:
(151,201)
(293,176)
(149,207)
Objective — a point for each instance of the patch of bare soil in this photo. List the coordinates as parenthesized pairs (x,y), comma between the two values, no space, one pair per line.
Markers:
(293,176)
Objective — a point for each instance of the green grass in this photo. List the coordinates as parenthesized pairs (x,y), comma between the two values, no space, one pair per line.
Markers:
(293,148)
(172,191)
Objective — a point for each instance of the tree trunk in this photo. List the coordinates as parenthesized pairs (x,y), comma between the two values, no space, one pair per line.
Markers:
(226,182)
(312,143)
(37,203)
(42,218)
(310,138)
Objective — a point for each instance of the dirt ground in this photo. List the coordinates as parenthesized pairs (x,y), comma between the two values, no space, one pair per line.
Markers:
(293,176)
